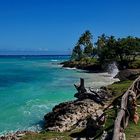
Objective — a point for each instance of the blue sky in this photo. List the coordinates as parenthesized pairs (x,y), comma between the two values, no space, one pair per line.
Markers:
(53,26)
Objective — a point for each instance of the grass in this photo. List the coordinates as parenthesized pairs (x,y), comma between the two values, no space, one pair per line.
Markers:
(133,130)
(120,87)
(51,135)
(47,136)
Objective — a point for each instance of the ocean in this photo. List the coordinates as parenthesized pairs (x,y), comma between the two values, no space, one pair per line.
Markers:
(30,86)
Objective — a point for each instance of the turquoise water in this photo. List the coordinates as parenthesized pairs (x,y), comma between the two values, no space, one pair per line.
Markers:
(31,86)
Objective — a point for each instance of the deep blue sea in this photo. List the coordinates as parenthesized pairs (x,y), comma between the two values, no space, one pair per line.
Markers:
(31,85)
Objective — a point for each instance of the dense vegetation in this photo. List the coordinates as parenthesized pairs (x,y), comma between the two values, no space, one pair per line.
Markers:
(124,51)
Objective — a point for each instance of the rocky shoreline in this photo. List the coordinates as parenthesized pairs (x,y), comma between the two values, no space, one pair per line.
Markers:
(70,115)
(83,112)
(80,113)
(15,136)
(83,66)
(86,109)
(128,74)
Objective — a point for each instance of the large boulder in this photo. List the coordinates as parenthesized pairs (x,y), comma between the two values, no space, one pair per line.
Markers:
(128,74)
(68,115)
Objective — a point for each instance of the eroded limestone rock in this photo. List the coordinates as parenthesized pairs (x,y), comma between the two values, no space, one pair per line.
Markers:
(68,115)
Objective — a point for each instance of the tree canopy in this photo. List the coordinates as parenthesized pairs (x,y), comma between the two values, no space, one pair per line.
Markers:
(121,50)
(107,48)
(85,41)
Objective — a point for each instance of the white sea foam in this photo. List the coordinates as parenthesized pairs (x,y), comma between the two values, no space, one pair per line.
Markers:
(70,68)
(97,80)
(54,60)
(27,112)
(35,128)
(40,106)
(113,69)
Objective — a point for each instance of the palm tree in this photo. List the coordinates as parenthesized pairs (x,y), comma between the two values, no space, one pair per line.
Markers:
(84,41)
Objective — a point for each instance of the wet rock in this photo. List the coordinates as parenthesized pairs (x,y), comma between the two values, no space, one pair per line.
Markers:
(128,74)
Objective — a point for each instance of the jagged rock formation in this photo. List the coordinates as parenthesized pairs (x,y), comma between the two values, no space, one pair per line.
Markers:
(68,115)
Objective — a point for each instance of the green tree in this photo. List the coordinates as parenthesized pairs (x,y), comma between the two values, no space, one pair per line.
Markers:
(106,48)
(101,42)
(88,50)
(76,53)
(101,47)
(85,41)
(85,38)
(128,48)
(122,50)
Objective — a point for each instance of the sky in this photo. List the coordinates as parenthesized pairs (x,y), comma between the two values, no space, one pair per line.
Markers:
(54,26)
